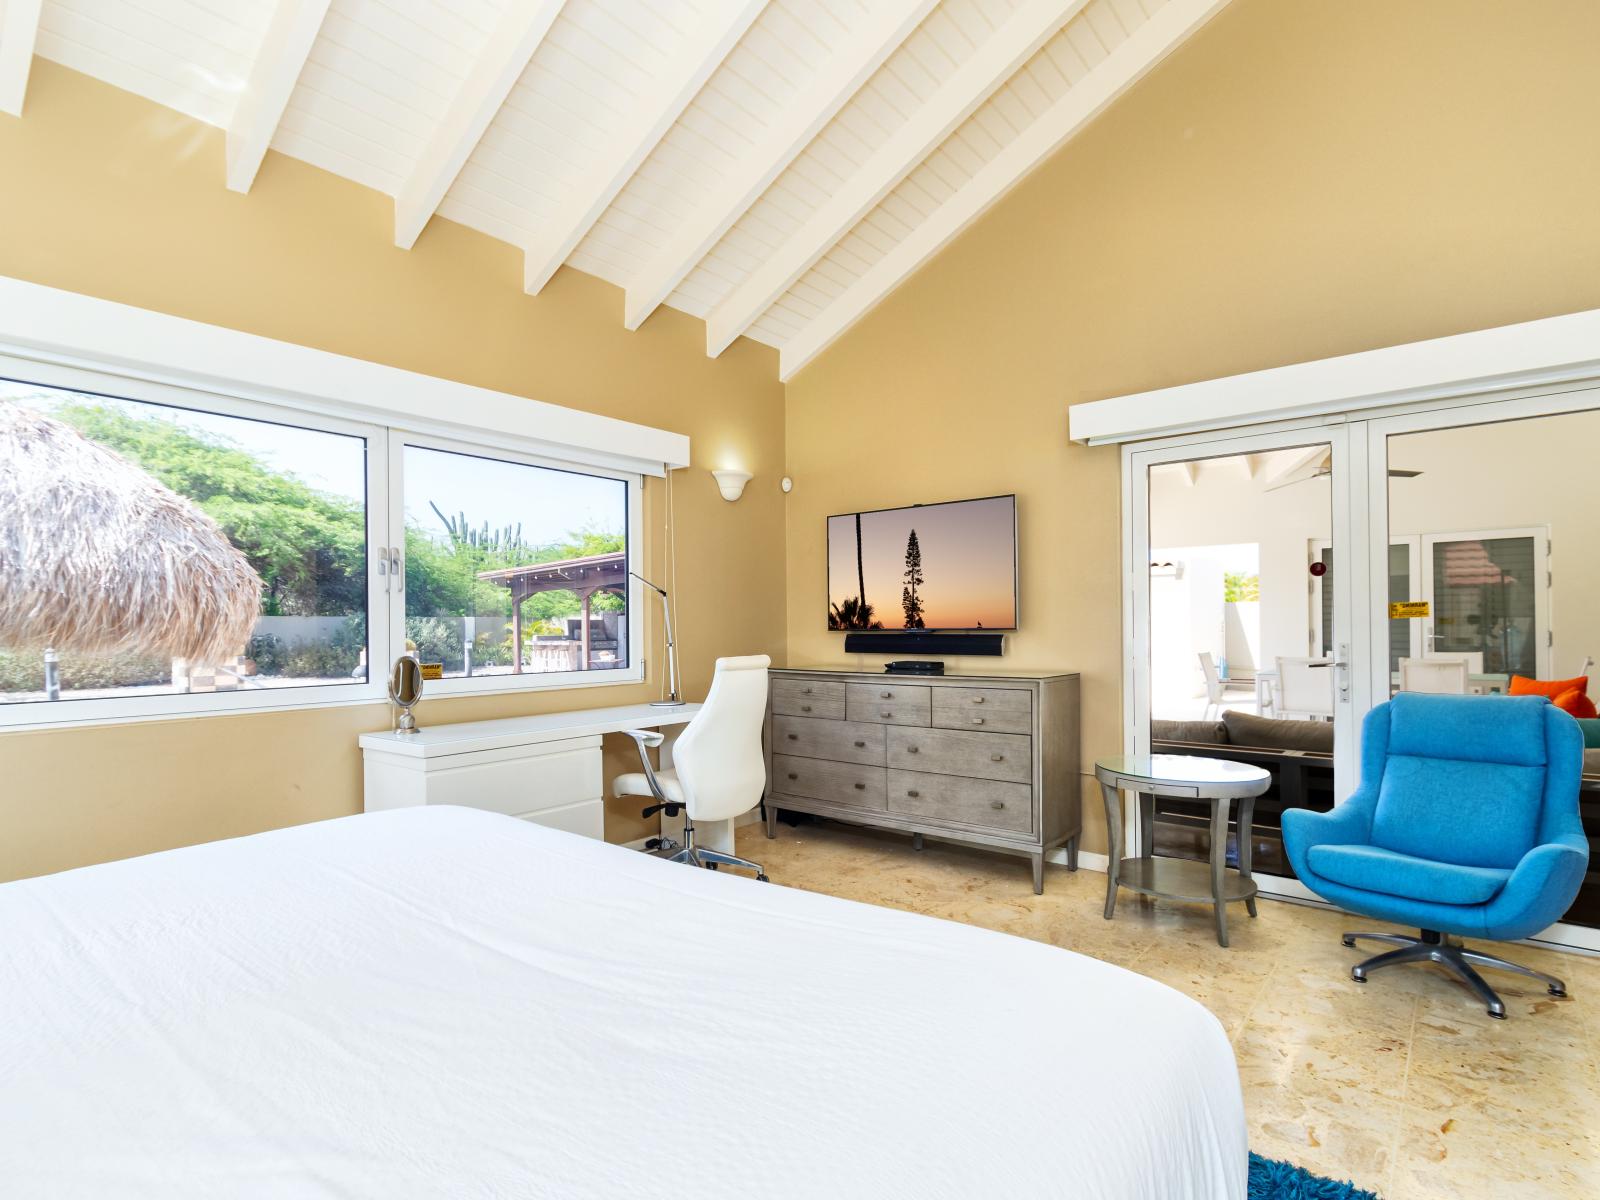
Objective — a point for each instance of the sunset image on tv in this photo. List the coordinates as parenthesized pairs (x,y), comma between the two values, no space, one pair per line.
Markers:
(938,566)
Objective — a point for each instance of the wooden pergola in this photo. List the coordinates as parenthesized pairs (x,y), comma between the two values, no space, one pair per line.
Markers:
(583,576)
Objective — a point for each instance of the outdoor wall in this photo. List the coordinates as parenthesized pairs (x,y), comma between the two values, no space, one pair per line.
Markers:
(1298,181)
(107,194)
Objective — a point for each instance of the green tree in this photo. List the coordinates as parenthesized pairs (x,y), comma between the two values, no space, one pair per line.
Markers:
(910,600)
(1236,586)
(308,547)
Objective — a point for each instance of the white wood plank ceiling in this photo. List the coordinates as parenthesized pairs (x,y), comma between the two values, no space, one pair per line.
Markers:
(774,167)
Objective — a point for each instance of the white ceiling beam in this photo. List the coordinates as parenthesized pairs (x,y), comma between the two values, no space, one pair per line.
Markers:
(864,51)
(290,33)
(19,29)
(652,113)
(1113,75)
(1013,44)
(505,56)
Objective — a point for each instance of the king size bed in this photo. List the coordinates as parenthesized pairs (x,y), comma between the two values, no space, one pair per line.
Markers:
(441,1002)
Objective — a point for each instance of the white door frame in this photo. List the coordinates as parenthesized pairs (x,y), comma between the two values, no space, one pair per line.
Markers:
(1348,462)
(1359,510)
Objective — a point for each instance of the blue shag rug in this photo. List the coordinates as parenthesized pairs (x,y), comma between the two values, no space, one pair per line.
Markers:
(1274,1180)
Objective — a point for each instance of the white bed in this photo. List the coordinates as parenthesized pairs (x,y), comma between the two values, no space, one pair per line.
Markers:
(448,1003)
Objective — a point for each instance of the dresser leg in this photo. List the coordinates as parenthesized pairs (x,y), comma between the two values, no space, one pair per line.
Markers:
(916,841)
(1038,873)
(772,820)
(1072,852)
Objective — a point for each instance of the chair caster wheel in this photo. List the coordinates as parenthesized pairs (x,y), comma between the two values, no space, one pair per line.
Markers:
(762,879)
(1349,942)
(1559,992)
(1498,1016)
(711,866)
(1358,978)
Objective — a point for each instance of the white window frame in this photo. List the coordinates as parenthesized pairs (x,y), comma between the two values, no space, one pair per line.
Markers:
(59,338)
(480,685)
(68,711)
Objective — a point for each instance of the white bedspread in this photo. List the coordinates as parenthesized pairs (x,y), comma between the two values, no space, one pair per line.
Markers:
(448,1003)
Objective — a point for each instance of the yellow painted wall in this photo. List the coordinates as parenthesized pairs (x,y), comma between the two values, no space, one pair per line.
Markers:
(1300,180)
(107,194)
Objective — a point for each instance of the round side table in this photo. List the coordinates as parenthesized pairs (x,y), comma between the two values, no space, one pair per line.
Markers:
(1187,777)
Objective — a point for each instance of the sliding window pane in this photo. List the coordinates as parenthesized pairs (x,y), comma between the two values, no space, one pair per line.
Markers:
(1485,602)
(513,568)
(159,550)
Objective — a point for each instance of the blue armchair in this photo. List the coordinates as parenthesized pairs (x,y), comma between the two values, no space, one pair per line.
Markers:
(1465,825)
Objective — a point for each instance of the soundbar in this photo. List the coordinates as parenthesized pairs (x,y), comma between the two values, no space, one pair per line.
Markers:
(918,642)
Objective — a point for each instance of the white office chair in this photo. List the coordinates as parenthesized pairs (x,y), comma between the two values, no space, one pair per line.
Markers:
(1437,676)
(1305,688)
(1473,658)
(719,769)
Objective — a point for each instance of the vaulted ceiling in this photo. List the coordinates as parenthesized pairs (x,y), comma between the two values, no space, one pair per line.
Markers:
(774,167)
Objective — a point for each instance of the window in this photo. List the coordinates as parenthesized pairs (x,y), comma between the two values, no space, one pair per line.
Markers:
(308,551)
(275,512)
(513,568)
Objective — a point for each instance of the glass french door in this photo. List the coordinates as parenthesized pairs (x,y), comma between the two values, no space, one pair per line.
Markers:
(1244,638)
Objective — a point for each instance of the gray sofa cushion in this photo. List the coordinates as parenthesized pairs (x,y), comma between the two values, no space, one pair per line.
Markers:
(1246,729)
(1212,733)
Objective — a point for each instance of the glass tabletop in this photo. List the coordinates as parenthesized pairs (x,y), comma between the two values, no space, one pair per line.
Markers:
(1182,769)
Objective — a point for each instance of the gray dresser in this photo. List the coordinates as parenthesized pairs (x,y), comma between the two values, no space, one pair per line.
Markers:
(991,760)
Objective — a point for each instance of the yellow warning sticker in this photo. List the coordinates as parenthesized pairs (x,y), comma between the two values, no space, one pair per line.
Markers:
(432,670)
(1408,610)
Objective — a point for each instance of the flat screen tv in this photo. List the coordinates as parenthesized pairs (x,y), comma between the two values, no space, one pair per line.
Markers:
(930,566)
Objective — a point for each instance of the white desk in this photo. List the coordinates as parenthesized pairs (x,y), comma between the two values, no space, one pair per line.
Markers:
(544,769)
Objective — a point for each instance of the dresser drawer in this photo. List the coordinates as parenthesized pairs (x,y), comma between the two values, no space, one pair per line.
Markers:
(854,784)
(991,710)
(887,703)
(986,802)
(841,741)
(1004,756)
(808,698)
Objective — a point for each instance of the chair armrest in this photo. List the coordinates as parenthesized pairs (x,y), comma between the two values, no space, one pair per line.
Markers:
(1347,823)
(646,739)
(1541,889)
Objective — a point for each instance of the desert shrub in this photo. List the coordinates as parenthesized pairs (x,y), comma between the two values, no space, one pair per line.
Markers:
(23,671)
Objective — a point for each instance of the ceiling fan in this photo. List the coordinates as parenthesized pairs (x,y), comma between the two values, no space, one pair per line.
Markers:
(1320,466)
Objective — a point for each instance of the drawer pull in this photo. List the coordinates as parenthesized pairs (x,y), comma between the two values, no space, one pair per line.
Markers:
(977,699)
(805,708)
(794,737)
(859,745)
(885,695)
(997,758)
(861,787)
(912,792)
(792,775)
(977,720)
(997,804)
(911,749)
(886,714)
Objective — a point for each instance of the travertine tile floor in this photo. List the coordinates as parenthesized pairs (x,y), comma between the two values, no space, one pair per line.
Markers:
(1404,1084)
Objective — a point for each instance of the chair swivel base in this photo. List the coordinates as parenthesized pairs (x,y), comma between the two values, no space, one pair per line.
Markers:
(699,856)
(1449,953)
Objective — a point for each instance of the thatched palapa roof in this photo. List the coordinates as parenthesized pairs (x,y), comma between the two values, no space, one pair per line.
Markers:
(96,556)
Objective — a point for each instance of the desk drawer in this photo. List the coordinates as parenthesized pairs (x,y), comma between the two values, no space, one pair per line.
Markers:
(838,783)
(990,710)
(887,703)
(1004,756)
(808,698)
(994,805)
(840,741)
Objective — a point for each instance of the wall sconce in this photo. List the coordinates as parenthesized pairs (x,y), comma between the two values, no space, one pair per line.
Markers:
(731,483)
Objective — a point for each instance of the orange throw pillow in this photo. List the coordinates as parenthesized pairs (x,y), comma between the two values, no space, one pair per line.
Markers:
(1576,703)
(1569,695)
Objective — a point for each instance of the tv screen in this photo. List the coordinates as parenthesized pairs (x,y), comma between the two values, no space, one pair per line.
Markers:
(931,566)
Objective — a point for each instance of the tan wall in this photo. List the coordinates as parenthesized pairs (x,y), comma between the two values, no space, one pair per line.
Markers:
(107,194)
(1300,180)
